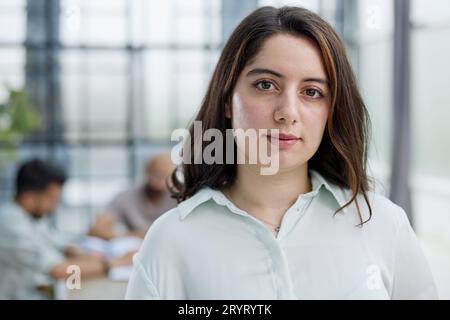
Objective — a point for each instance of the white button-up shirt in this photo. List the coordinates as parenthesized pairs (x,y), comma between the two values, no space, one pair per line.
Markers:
(207,248)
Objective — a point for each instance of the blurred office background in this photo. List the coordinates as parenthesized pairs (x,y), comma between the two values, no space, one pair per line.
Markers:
(111,79)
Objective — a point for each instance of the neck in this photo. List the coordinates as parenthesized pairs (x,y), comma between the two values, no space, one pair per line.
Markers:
(268,196)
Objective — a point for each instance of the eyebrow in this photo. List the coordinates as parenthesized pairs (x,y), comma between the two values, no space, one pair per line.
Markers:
(259,71)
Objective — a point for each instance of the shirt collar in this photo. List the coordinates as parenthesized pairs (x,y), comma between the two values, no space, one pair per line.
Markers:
(318,181)
(205,194)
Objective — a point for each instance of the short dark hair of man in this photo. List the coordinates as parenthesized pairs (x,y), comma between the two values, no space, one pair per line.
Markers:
(36,175)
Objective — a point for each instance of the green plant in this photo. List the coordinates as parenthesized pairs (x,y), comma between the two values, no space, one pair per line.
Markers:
(18,118)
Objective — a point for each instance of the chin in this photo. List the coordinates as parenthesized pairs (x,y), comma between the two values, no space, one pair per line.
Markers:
(292,158)
(289,167)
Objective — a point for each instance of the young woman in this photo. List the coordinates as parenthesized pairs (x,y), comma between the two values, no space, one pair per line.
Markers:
(313,230)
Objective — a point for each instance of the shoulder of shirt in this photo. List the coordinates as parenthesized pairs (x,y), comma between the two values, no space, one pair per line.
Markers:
(168,225)
(171,225)
(384,211)
(11,212)
(163,240)
(12,220)
(164,226)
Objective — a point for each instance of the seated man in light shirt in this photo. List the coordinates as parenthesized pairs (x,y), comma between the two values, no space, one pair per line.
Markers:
(133,211)
(30,259)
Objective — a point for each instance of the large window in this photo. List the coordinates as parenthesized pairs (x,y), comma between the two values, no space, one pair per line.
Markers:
(12,54)
(135,69)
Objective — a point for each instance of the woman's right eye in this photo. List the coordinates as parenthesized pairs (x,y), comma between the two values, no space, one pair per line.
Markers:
(264,85)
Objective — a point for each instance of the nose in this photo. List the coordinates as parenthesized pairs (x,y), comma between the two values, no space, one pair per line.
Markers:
(287,111)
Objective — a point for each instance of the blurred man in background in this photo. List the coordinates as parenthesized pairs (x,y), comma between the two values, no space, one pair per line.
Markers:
(30,259)
(134,210)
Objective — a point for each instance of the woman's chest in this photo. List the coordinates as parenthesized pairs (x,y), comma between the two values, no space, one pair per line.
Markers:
(271,270)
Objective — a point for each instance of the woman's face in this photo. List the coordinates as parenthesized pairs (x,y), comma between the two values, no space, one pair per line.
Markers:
(284,87)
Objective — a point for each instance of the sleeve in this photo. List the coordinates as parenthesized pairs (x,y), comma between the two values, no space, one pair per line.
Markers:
(49,258)
(26,244)
(412,275)
(140,285)
(59,239)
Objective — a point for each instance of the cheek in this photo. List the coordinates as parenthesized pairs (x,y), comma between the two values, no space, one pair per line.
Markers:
(46,203)
(314,123)
(249,112)
(50,203)
(41,204)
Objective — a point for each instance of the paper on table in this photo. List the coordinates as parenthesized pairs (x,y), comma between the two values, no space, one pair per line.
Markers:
(120,246)
(112,249)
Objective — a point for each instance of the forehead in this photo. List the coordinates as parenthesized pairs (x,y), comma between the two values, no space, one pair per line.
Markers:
(292,56)
(53,188)
(159,164)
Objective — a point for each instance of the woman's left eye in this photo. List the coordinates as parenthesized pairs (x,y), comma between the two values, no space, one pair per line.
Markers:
(313,93)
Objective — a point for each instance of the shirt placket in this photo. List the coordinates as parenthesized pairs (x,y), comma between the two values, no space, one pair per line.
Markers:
(278,261)
(278,266)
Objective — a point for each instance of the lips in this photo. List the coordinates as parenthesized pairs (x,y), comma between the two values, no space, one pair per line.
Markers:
(285,136)
(284,140)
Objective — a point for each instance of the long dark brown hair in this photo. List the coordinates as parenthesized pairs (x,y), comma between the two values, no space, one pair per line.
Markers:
(342,155)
